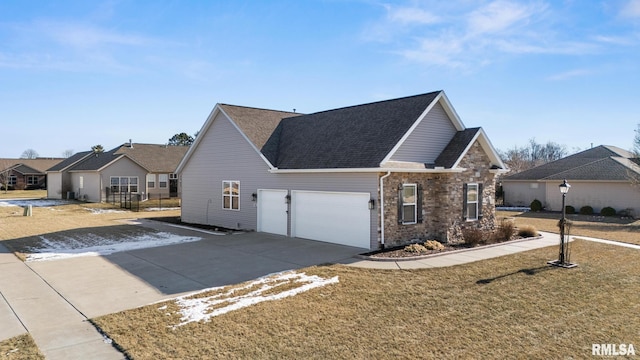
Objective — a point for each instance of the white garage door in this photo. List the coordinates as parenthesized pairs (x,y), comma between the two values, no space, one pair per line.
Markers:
(336,217)
(272,211)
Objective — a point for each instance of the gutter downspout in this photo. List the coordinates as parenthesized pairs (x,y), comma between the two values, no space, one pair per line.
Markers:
(382,207)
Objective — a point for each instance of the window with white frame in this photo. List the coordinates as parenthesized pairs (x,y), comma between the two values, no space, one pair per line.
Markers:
(32,180)
(124,184)
(173,176)
(13,180)
(409,203)
(151,181)
(163,180)
(472,196)
(81,182)
(231,195)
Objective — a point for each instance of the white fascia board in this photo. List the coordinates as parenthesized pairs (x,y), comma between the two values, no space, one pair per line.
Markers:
(113,161)
(488,148)
(199,138)
(244,136)
(442,99)
(451,111)
(364,170)
(415,125)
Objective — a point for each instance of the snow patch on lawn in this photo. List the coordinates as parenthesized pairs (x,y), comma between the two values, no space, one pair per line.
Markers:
(95,245)
(34,203)
(204,308)
(104,211)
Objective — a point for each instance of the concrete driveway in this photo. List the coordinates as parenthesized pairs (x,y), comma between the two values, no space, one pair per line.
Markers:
(106,284)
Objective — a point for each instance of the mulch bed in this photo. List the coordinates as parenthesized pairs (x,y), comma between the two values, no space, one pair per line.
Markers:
(399,252)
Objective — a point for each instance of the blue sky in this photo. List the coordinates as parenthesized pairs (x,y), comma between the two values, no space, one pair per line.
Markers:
(74,74)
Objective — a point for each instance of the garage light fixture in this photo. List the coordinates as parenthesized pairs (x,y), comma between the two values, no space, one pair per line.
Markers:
(254,197)
(372,204)
(287,199)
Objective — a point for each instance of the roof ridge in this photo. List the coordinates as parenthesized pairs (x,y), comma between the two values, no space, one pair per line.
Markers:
(576,167)
(377,102)
(261,109)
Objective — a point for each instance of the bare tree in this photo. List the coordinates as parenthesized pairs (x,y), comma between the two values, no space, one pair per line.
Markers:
(634,176)
(4,180)
(67,153)
(29,154)
(534,154)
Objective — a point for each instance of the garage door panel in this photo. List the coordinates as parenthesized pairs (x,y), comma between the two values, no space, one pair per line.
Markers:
(336,217)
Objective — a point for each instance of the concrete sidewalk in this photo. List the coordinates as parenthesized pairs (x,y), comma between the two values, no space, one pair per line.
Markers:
(29,304)
(463,256)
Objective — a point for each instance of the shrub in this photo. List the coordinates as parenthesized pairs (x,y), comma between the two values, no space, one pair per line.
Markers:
(536,205)
(472,237)
(569,209)
(527,231)
(433,245)
(608,211)
(586,210)
(505,231)
(415,249)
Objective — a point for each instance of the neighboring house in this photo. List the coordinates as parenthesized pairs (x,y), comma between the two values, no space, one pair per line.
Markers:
(599,177)
(372,175)
(25,174)
(144,169)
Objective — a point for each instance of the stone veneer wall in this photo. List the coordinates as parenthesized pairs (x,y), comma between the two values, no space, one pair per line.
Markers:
(442,207)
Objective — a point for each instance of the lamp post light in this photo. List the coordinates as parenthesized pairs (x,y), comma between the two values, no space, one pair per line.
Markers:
(563,256)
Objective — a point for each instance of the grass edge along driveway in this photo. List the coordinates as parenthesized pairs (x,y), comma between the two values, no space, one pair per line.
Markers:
(509,307)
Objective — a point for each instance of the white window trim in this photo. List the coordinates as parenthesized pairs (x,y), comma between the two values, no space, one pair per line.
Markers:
(129,184)
(13,180)
(473,202)
(231,196)
(414,203)
(166,181)
(151,184)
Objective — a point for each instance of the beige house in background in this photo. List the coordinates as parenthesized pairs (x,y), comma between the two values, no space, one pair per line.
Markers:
(147,170)
(599,177)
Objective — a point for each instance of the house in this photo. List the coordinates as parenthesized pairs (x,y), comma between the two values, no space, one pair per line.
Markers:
(369,176)
(147,170)
(599,177)
(25,174)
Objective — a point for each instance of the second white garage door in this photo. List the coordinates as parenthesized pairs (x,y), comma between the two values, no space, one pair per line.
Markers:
(336,217)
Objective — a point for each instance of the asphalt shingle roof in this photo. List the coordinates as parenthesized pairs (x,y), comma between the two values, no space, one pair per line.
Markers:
(256,124)
(456,147)
(69,161)
(352,137)
(153,157)
(598,163)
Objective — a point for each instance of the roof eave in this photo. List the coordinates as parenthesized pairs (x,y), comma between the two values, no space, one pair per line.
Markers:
(364,170)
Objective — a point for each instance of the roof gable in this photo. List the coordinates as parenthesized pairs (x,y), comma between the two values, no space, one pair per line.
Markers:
(70,161)
(154,158)
(358,136)
(598,163)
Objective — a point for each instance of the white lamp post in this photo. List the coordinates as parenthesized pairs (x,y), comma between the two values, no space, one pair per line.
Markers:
(563,256)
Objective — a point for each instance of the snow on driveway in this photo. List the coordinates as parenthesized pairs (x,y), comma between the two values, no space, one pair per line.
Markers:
(194,308)
(95,245)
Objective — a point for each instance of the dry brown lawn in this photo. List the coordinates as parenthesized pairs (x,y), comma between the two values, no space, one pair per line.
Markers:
(20,348)
(509,307)
(610,228)
(20,194)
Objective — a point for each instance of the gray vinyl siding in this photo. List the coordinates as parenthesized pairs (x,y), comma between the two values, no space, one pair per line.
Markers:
(428,139)
(223,154)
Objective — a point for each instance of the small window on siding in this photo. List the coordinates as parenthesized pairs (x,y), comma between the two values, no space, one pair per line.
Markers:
(409,204)
(472,202)
(81,182)
(151,181)
(162,180)
(231,195)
